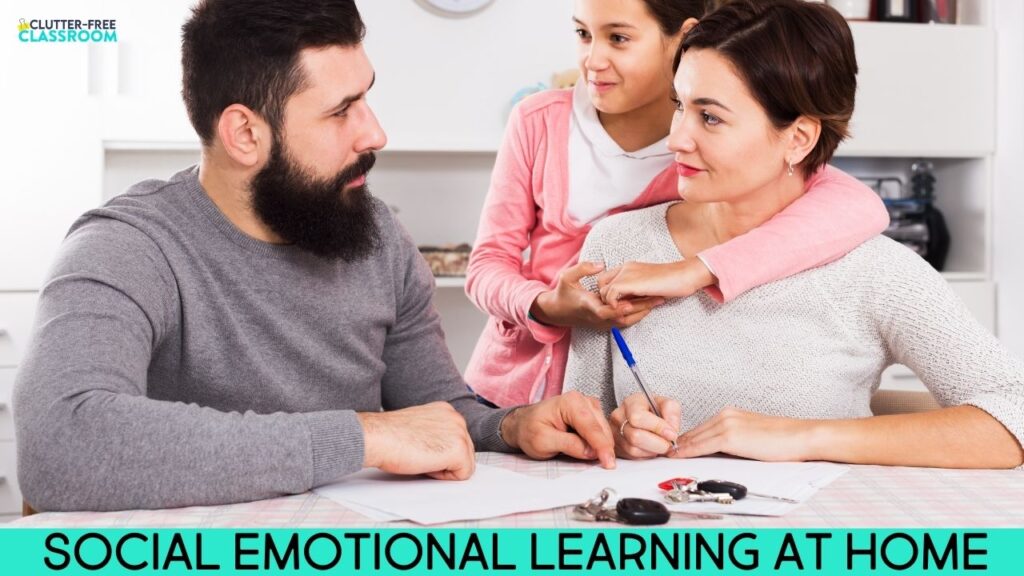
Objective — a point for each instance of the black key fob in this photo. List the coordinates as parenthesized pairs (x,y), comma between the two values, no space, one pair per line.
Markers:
(641,512)
(737,491)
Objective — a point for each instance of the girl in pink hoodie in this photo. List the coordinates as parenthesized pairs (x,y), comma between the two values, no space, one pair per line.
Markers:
(572,157)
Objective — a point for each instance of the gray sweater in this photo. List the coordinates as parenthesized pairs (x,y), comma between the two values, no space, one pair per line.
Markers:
(177,361)
(813,345)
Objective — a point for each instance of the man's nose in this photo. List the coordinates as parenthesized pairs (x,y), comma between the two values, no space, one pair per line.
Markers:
(372,136)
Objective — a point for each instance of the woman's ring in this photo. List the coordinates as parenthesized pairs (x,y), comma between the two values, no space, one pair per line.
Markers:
(622,428)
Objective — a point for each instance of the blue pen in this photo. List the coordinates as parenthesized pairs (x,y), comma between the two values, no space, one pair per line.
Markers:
(628,356)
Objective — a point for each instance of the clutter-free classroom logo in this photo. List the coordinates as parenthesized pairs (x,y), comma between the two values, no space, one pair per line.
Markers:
(64,31)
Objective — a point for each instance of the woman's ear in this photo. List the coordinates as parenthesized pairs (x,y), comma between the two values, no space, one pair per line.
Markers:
(688,25)
(803,137)
(243,133)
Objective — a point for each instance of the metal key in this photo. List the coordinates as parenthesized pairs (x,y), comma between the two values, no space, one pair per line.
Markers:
(683,490)
(634,511)
(700,496)
(593,510)
(677,489)
(737,491)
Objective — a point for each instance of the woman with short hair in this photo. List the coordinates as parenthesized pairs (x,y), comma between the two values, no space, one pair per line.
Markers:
(765,90)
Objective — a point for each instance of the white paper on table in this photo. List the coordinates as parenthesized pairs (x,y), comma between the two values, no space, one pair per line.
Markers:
(640,479)
(370,512)
(490,492)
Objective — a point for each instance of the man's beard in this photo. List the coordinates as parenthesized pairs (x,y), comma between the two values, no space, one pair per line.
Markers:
(317,215)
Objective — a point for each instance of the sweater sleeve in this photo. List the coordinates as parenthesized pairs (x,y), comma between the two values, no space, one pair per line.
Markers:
(929,329)
(835,215)
(420,368)
(89,438)
(494,278)
(589,368)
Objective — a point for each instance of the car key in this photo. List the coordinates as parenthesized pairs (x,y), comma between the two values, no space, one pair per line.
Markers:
(737,491)
(641,512)
(644,512)
(634,511)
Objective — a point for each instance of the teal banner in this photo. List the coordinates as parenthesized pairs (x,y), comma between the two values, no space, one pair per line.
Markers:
(513,551)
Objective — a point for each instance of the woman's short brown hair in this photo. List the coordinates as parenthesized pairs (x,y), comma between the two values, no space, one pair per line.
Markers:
(797,59)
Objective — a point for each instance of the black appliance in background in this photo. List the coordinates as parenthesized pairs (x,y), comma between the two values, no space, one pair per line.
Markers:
(897,10)
(914,221)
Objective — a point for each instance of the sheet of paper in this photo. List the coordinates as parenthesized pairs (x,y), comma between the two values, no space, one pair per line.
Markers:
(494,491)
(491,492)
(371,513)
(640,479)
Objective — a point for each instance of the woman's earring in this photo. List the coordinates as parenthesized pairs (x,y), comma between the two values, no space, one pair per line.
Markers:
(790,168)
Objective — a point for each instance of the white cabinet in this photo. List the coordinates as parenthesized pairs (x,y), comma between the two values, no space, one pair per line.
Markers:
(10,492)
(17,310)
(6,418)
(923,91)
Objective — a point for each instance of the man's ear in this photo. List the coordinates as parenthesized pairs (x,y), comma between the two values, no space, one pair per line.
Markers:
(804,135)
(688,25)
(244,135)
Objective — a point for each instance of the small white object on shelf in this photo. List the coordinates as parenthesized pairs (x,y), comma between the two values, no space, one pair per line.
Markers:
(455,7)
(852,9)
(450,281)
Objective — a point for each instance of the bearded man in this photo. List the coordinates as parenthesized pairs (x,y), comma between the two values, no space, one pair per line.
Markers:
(259,324)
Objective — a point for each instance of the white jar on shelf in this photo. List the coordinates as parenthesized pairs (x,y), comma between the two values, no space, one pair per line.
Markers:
(852,9)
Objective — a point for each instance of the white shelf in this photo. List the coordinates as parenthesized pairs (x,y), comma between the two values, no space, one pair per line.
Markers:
(152,145)
(853,151)
(402,147)
(965,276)
(450,281)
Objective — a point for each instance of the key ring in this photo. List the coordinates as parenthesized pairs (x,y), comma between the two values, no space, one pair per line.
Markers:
(590,509)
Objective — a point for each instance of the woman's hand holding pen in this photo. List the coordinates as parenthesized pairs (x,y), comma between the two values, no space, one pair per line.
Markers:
(640,280)
(639,434)
(570,304)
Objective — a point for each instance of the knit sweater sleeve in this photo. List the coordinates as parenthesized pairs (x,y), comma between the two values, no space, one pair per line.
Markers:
(929,329)
(589,368)
(89,437)
(420,368)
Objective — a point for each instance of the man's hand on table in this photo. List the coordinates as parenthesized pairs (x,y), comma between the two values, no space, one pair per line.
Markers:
(569,424)
(431,439)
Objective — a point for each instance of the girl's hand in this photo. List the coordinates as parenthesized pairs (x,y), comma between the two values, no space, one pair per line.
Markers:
(570,304)
(643,280)
(751,435)
(639,434)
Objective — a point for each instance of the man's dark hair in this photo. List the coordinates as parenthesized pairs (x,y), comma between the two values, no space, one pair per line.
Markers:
(247,52)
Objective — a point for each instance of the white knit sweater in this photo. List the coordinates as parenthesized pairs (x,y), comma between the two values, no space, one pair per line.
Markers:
(809,346)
